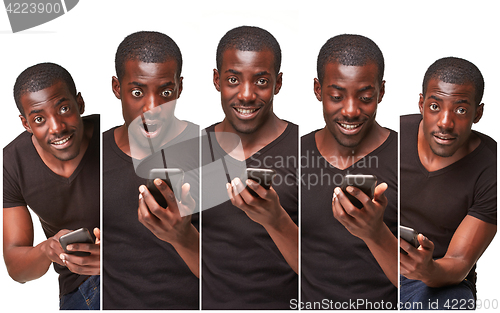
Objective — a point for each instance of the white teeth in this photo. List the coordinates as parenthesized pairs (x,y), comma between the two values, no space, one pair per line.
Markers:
(349,127)
(245,111)
(61,141)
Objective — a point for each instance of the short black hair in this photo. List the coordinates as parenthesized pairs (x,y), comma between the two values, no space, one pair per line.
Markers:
(457,71)
(249,38)
(350,50)
(41,76)
(147,47)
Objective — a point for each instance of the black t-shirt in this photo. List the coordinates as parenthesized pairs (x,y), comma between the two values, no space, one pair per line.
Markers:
(435,203)
(241,266)
(141,271)
(60,203)
(336,265)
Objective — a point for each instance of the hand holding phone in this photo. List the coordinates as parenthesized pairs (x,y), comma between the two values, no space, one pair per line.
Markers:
(173,177)
(81,235)
(262,176)
(365,183)
(409,235)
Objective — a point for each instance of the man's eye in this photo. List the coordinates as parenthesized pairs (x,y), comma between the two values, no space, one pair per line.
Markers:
(461,110)
(137,93)
(366,99)
(64,109)
(166,93)
(262,81)
(38,119)
(336,98)
(232,80)
(433,107)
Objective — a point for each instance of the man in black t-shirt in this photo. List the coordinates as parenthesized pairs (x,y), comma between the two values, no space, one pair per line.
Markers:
(448,188)
(349,256)
(53,168)
(250,240)
(151,254)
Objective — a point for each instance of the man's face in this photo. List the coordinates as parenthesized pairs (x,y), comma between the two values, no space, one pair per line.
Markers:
(350,95)
(53,117)
(247,82)
(448,112)
(147,92)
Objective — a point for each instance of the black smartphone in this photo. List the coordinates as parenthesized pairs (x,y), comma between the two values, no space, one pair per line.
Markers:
(409,235)
(365,183)
(173,177)
(81,235)
(262,176)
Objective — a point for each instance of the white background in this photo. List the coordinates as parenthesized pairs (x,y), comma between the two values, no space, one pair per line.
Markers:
(411,36)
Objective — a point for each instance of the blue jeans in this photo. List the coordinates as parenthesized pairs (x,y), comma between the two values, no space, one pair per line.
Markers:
(86,297)
(415,295)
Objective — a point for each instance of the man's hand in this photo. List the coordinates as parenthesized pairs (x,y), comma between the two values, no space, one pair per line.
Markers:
(84,265)
(368,224)
(265,209)
(364,223)
(418,263)
(166,223)
(52,248)
(173,223)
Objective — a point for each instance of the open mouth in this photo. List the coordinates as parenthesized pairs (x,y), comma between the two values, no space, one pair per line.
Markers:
(150,129)
(246,113)
(350,128)
(61,142)
(443,139)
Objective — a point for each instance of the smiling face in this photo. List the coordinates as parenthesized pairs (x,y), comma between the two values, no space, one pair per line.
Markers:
(247,82)
(148,92)
(448,112)
(53,117)
(350,95)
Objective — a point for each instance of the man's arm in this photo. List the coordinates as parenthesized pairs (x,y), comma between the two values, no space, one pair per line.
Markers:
(468,243)
(169,225)
(25,262)
(368,224)
(267,211)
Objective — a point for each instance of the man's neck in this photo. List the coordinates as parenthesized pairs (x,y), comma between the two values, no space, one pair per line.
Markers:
(433,162)
(251,142)
(342,157)
(66,168)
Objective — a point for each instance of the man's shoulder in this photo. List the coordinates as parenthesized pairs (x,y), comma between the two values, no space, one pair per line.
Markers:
(21,143)
(490,143)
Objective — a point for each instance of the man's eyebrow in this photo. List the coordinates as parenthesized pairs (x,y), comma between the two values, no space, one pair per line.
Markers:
(366,88)
(167,84)
(137,84)
(462,101)
(36,111)
(233,71)
(435,98)
(335,87)
(262,73)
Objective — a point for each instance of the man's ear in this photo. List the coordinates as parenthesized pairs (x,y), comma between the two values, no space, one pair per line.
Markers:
(317,90)
(115,85)
(216,80)
(382,92)
(279,82)
(421,104)
(80,102)
(479,113)
(25,124)
(180,86)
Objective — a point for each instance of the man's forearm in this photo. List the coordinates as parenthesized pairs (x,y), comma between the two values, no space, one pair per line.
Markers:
(189,250)
(285,235)
(26,263)
(384,247)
